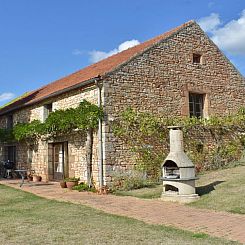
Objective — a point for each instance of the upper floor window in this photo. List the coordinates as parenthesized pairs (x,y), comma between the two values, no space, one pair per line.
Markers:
(47,109)
(10,121)
(196,104)
(197,59)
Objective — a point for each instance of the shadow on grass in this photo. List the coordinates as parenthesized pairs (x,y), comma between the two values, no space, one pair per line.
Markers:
(203,190)
(152,185)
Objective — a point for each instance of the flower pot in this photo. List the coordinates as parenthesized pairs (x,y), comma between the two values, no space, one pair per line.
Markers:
(30,178)
(63,184)
(71,184)
(37,178)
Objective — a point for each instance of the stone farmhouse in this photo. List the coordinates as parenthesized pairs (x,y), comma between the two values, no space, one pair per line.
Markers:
(181,72)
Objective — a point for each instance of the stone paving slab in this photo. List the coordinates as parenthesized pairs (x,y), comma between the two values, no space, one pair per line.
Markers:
(219,224)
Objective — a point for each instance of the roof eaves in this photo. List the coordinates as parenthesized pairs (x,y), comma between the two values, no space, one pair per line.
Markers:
(80,85)
(104,75)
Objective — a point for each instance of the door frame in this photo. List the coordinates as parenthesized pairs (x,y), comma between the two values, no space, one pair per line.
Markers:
(65,166)
(10,153)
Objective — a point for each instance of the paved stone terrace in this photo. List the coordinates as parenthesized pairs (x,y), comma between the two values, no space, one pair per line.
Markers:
(219,224)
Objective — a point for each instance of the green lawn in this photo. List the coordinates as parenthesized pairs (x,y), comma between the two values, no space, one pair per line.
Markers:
(28,219)
(222,190)
(154,191)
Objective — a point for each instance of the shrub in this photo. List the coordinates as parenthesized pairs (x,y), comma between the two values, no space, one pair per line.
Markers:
(71,179)
(84,187)
(128,180)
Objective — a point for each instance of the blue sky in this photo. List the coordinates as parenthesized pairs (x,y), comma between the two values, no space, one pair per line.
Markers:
(43,40)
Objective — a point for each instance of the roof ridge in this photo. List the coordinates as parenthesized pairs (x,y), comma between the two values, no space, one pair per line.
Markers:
(160,38)
(178,28)
(100,68)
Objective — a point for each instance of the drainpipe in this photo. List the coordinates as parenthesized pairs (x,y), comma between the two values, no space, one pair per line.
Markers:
(101,179)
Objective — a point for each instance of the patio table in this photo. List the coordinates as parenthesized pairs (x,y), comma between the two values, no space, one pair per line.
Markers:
(22,173)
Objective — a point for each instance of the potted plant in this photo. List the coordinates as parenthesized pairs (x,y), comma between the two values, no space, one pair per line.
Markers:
(37,178)
(71,182)
(29,177)
(30,174)
(63,184)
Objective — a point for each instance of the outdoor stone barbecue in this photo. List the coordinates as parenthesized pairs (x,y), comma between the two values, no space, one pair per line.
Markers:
(178,171)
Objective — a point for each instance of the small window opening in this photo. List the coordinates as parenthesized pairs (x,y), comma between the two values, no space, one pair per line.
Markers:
(199,147)
(196,104)
(197,58)
(10,121)
(48,108)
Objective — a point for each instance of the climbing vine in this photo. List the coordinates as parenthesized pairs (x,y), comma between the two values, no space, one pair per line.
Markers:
(58,123)
(28,131)
(210,143)
(6,135)
(84,117)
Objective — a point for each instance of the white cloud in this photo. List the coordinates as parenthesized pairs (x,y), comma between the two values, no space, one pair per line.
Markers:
(97,55)
(127,44)
(210,23)
(231,37)
(6,96)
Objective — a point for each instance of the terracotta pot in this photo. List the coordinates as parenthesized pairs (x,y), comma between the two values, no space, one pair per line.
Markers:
(29,178)
(71,184)
(37,178)
(63,184)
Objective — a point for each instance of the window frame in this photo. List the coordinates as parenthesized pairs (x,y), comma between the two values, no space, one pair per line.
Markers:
(10,153)
(47,109)
(197,56)
(10,121)
(196,104)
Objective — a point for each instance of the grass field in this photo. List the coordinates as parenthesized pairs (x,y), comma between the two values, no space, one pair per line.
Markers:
(28,219)
(222,190)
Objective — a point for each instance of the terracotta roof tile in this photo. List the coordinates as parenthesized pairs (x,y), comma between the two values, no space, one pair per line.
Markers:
(95,70)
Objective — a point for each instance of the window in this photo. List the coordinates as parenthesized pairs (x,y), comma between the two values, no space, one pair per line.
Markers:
(197,58)
(10,153)
(47,109)
(10,122)
(30,154)
(196,103)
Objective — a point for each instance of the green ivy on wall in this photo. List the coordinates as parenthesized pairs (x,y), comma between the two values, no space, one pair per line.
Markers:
(210,143)
(59,122)
(6,135)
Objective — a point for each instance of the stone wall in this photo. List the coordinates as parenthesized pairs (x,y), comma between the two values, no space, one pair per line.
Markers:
(159,81)
(76,142)
(3,122)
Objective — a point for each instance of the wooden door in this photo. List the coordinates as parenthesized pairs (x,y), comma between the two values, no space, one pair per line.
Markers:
(58,161)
